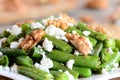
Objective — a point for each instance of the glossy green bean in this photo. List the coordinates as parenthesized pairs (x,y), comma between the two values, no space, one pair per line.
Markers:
(59,44)
(13,52)
(24,61)
(34,73)
(4,60)
(81,61)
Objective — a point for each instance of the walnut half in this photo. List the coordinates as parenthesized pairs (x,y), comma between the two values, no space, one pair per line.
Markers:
(32,39)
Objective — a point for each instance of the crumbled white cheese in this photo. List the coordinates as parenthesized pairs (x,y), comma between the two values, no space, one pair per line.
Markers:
(116,65)
(13,68)
(6,68)
(60,70)
(0,44)
(86,33)
(47,45)
(90,44)
(74,32)
(70,76)
(2,40)
(47,62)
(76,52)
(37,25)
(14,44)
(1,53)
(70,24)
(70,63)
(41,67)
(110,50)
(104,71)
(42,52)
(56,32)
(15,30)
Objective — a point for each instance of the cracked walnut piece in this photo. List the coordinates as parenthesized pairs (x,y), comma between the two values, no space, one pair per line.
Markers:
(23,22)
(32,39)
(62,23)
(80,43)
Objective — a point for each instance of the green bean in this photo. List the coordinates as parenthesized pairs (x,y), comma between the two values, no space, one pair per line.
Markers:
(4,34)
(84,72)
(36,53)
(70,29)
(4,60)
(97,35)
(81,61)
(109,43)
(82,26)
(24,60)
(58,66)
(59,44)
(97,49)
(11,38)
(113,59)
(60,75)
(13,52)
(34,73)
(93,41)
(117,43)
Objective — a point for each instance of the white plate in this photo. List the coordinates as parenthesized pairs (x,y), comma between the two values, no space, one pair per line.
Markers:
(105,76)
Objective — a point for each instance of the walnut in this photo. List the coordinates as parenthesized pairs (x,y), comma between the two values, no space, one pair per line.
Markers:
(79,42)
(97,4)
(32,39)
(23,22)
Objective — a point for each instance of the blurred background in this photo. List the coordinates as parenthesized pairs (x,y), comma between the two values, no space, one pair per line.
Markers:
(105,12)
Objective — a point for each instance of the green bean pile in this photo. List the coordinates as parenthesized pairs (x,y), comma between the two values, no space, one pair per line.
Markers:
(103,57)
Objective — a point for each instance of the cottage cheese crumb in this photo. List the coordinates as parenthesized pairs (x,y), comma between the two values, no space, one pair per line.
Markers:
(47,45)
(76,52)
(41,67)
(37,25)
(47,62)
(86,33)
(13,68)
(69,75)
(14,44)
(56,32)
(1,53)
(70,63)
(74,32)
(15,30)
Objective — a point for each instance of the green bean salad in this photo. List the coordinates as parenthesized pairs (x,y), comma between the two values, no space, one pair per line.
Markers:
(56,48)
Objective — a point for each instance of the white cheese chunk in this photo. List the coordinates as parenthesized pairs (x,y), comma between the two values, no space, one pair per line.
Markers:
(76,52)
(14,44)
(41,67)
(86,33)
(110,50)
(74,32)
(14,68)
(47,62)
(56,32)
(104,71)
(1,53)
(2,41)
(70,76)
(47,45)
(70,63)
(37,25)
(15,30)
